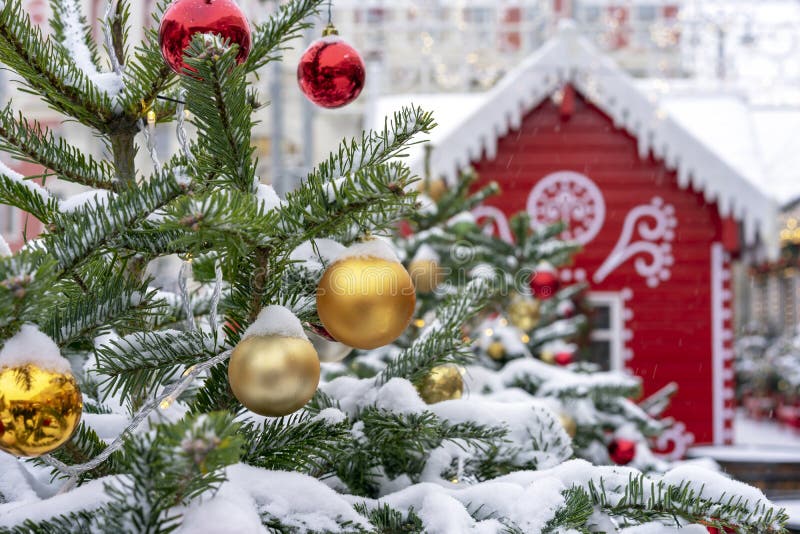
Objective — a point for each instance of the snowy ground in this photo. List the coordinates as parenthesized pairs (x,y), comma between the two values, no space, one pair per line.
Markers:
(758,434)
(750,432)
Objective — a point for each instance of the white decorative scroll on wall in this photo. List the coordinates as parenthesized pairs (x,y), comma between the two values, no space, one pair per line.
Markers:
(572,198)
(648,232)
(499,224)
(674,442)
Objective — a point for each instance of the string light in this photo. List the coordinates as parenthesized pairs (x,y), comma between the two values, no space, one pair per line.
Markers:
(525,338)
(419,323)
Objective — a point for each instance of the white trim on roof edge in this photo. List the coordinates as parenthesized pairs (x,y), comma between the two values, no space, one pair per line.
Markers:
(568,57)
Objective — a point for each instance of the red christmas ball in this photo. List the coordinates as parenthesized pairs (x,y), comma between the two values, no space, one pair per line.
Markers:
(184,18)
(544,284)
(563,358)
(331,73)
(622,451)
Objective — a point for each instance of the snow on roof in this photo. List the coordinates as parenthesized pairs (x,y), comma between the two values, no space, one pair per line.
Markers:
(700,151)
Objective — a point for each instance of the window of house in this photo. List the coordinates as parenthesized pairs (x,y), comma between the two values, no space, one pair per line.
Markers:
(605,342)
(9,222)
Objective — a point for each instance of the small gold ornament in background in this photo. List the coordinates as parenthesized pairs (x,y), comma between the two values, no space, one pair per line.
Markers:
(435,189)
(365,302)
(548,356)
(427,275)
(496,350)
(523,312)
(443,383)
(274,375)
(569,424)
(327,350)
(39,410)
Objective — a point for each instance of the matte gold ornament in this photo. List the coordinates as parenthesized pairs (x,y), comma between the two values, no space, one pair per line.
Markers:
(548,356)
(365,301)
(39,410)
(569,424)
(496,350)
(327,350)
(443,383)
(523,313)
(435,189)
(427,275)
(274,375)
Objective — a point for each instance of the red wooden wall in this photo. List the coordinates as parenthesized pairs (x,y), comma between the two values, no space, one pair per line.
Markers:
(670,325)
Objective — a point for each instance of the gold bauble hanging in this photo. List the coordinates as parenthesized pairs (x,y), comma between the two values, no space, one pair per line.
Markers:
(523,313)
(548,356)
(365,301)
(496,350)
(274,375)
(327,350)
(443,383)
(39,409)
(427,275)
(435,189)
(569,424)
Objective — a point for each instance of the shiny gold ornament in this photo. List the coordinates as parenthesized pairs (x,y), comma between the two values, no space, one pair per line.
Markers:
(39,410)
(427,275)
(435,189)
(327,350)
(523,313)
(365,302)
(548,356)
(443,383)
(569,424)
(274,375)
(496,350)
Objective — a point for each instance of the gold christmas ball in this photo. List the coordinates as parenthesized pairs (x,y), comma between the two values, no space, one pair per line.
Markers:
(274,375)
(327,350)
(496,350)
(570,427)
(443,383)
(426,275)
(548,356)
(39,410)
(524,313)
(365,302)
(435,189)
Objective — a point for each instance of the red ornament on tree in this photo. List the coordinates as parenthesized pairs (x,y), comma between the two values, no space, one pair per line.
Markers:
(622,451)
(331,73)
(544,282)
(185,18)
(563,358)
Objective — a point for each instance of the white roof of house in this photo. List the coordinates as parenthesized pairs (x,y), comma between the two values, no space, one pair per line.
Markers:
(713,143)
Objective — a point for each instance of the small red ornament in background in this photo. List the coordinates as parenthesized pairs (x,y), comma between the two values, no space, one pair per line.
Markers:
(563,358)
(185,18)
(331,73)
(544,282)
(715,530)
(622,451)
(321,331)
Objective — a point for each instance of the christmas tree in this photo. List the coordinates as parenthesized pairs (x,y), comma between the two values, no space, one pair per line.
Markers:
(523,342)
(125,407)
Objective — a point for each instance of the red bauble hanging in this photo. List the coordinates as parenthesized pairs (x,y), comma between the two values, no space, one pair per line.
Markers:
(185,18)
(331,73)
(564,358)
(544,282)
(622,451)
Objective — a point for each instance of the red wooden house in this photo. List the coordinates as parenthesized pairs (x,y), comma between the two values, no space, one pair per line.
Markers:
(570,137)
